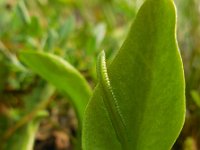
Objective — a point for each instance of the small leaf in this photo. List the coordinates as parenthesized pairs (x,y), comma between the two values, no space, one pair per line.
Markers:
(50,41)
(23,12)
(62,75)
(143,88)
(66,29)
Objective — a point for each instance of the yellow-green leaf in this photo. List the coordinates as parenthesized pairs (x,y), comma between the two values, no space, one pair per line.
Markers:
(62,75)
(139,103)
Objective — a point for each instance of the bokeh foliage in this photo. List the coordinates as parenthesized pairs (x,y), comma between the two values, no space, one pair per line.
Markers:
(77,30)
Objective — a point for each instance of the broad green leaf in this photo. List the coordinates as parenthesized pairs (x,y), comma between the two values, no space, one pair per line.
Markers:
(62,75)
(139,103)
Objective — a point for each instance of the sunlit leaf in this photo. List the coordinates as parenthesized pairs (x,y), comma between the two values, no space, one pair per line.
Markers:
(139,103)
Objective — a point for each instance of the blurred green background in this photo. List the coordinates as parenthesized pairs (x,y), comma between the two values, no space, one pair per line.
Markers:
(77,30)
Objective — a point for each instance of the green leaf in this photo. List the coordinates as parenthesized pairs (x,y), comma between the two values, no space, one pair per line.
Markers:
(66,29)
(51,40)
(23,12)
(62,75)
(139,103)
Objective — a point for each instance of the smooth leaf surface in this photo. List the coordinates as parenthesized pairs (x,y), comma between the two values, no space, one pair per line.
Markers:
(144,86)
(62,75)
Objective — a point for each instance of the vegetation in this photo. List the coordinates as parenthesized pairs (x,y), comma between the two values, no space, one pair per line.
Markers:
(48,53)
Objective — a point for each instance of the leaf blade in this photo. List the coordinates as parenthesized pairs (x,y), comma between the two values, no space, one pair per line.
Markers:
(148,82)
(62,75)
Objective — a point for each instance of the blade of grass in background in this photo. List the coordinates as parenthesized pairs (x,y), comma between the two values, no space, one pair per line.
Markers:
(21,133)
(64,77)
(24,137)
